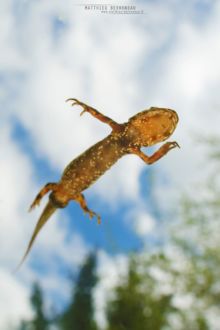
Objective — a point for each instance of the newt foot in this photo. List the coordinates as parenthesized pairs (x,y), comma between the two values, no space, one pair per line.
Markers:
(77,102)
(93,214)
(172,145)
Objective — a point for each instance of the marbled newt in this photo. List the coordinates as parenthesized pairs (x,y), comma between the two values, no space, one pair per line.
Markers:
(144,129)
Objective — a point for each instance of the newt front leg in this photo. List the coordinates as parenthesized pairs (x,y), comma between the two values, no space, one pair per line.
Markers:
(162,151)
(95,113)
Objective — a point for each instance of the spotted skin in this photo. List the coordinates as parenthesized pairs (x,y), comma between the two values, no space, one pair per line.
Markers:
(144,129)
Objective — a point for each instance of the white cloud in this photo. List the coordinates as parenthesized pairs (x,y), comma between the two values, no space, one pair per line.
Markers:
(110,272)
(11,58)
(141,221)
(14,303)
(15,182)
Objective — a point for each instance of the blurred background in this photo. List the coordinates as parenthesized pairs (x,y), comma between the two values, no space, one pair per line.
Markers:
(153,263)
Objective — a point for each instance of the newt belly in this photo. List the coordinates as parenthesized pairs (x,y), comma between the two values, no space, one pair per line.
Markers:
(144,129)
(90,165)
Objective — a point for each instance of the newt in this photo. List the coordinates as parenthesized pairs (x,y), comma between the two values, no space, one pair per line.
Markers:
(144,129)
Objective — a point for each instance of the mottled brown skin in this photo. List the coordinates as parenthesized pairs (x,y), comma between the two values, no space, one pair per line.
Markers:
(142,130)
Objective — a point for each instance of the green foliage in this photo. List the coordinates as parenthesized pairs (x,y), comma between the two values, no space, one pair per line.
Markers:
(125,311)
(40,321)
(24,326)
(79,313)
(135,305)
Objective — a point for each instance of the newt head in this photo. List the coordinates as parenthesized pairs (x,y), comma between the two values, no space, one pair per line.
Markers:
(152,126)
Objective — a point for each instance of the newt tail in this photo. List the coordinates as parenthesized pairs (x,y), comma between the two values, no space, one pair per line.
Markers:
(49,209)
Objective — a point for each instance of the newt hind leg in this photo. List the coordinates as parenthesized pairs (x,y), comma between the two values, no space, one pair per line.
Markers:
(82,202)
(48,187)
(95,113)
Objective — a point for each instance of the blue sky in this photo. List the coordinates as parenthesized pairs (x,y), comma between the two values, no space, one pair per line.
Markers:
(119,64)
